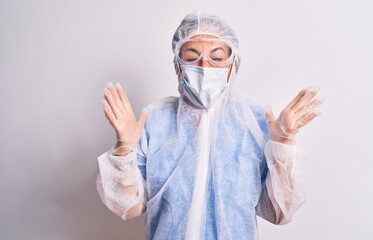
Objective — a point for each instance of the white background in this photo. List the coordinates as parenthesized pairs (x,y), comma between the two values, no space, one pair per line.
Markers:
(56,56)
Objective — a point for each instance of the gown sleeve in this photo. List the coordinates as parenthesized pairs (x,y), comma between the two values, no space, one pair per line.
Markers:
(121,182)
(283,191)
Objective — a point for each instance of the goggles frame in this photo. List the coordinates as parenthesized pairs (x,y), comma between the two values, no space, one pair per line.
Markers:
(204,55)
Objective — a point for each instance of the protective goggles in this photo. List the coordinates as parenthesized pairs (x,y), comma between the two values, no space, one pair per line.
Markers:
(218,52)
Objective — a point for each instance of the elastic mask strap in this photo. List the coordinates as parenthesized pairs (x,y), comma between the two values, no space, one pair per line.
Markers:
(233,73)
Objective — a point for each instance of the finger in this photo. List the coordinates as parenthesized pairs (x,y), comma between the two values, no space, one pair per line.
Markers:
(269,115)
(109,115)
(119,90)
(112,103)
(295,100)
(141,122)
(123,97)
(115,95)
(310,93)
(304,121)
(142,119)
(315,103)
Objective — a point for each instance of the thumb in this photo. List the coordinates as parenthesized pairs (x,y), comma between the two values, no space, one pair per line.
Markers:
(142,119)
(269,115)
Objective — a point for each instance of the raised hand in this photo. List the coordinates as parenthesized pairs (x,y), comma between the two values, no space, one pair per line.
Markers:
(122,117)
(299,112)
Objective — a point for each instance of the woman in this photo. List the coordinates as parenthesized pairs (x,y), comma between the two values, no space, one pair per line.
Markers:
(204,164)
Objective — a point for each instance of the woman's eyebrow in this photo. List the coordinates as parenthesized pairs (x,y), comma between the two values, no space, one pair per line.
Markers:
(218,48)
(192,49)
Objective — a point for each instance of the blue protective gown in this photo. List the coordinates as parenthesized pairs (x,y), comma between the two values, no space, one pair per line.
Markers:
(204,174)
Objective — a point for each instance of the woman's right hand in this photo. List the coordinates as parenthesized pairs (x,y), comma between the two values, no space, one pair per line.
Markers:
(121,116)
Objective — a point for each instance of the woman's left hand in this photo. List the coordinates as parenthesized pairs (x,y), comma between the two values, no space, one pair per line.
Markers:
(299,112)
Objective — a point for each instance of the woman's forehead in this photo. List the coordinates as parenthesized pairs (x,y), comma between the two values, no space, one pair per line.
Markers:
(203,43)
(203,36)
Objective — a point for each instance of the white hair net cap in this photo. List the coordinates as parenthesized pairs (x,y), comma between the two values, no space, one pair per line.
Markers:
(199,22)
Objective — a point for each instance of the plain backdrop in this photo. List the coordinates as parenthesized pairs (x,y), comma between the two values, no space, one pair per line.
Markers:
(56,57)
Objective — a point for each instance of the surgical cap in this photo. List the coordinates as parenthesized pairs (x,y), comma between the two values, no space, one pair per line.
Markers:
(199,22)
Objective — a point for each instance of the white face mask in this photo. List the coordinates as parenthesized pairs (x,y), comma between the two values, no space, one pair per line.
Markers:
(203,86)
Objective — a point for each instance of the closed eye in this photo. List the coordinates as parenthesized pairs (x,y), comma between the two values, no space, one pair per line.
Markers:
(190,59)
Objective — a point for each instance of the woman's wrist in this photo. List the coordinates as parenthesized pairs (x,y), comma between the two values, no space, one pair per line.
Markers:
(284,141)
(122,148)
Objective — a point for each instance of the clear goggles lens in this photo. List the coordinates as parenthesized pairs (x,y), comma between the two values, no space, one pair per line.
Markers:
(218,52)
